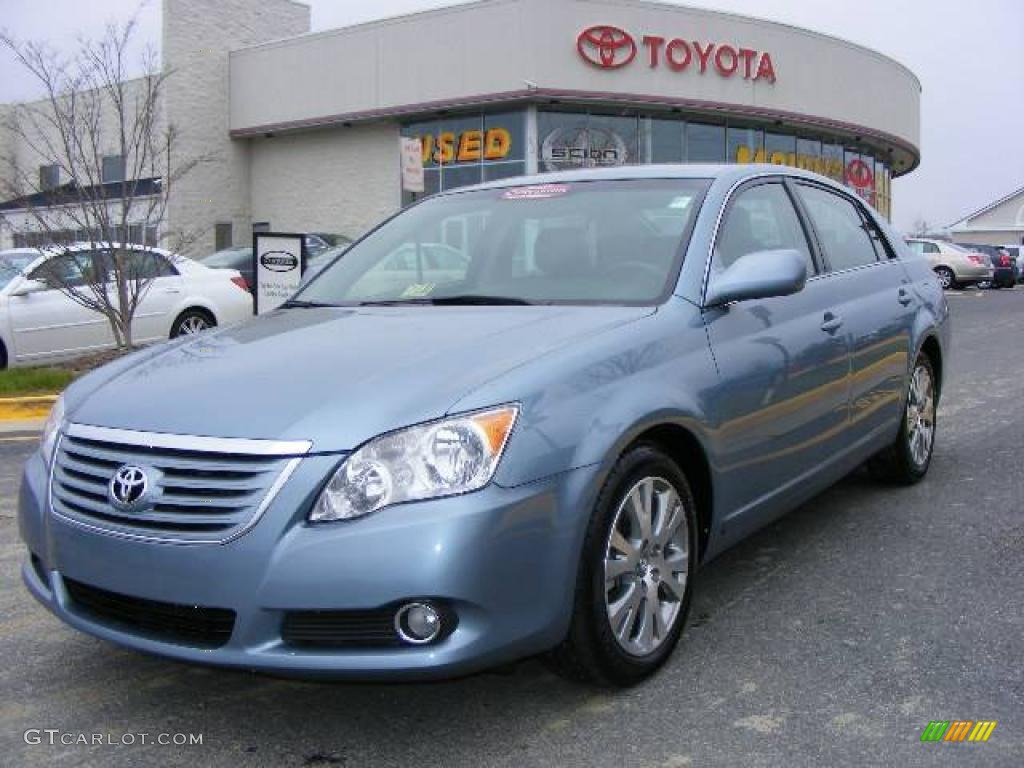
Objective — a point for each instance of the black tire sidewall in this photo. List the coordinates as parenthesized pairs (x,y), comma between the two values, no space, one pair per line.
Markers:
(642,461)
(176,329)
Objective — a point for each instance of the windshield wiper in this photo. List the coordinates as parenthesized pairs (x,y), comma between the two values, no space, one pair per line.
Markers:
(301,304)
(465,299)
(480,299)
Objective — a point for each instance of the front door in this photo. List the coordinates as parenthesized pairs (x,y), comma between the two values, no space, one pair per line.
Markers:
(50,324)
(782,408)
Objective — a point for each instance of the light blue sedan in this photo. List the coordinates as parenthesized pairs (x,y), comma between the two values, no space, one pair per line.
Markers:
(531,452)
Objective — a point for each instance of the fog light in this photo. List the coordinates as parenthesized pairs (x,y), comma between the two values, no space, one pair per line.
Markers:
(418,623)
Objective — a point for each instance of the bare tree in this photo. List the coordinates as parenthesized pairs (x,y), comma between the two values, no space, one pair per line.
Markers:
(921,227)
(92,113)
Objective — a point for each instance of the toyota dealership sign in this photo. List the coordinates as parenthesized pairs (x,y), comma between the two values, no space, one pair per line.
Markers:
(609,47)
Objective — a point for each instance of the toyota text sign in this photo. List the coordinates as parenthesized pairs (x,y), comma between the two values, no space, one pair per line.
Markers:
(609,47)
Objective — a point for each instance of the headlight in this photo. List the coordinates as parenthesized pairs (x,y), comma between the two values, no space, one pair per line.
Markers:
(51,429)
(442,458)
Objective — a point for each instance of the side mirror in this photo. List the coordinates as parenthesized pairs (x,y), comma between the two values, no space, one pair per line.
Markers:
(29,286)
(758,275)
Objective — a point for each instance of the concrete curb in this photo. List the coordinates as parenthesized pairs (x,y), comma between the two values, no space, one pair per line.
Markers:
(26,408)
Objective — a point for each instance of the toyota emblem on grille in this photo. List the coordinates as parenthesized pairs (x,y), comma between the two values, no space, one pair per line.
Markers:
(128,486)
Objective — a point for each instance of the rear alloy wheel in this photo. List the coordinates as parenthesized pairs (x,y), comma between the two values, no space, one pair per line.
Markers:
(191,322)
(946,277)
(636,573)
(906,460)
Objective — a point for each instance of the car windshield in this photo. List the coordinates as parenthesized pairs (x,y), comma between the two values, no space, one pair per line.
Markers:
(596,242)
(229,257)
(13,264)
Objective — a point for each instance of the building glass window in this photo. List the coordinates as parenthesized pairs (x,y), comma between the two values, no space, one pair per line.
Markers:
(832,162)
(222,235)
(664,140)
(705,143)
(463,150)
(744,145)
(467,149)
(49,177)
(780,149)
(568,140)
(113,168)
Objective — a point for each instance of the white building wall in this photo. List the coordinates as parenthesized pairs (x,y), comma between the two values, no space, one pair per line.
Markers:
(197,36)
(465,52)
(340,180)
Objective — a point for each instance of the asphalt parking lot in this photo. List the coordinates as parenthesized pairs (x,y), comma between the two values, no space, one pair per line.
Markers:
(831,638)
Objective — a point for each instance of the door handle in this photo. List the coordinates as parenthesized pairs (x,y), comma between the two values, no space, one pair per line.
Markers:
(903,297)
(172,290)
(832,323)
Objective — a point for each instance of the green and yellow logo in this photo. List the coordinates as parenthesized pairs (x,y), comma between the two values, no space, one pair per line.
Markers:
(958,730)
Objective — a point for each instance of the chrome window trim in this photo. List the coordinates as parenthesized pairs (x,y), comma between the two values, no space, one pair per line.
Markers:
(718,223)
(232,445)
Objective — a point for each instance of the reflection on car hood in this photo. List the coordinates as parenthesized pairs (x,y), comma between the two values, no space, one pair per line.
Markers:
(337,376)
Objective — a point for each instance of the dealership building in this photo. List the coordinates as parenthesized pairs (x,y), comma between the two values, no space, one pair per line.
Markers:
(304,129)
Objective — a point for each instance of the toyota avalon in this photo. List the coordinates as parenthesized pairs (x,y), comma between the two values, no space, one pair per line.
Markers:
(416,469)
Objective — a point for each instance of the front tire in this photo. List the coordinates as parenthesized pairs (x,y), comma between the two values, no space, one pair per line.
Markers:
(635,576)
(191,322)
(906,461)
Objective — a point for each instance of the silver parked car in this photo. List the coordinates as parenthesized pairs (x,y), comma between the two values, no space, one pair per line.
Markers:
(954,265)
(430,462)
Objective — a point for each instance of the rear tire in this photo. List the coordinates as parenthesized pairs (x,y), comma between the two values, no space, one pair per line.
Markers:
(191,322)
(906,461)
(634,582)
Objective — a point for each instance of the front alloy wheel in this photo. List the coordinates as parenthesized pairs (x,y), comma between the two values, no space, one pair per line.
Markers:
(646,566)
(635,575)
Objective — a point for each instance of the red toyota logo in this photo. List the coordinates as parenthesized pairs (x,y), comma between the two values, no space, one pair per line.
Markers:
(859,175)
(606,47)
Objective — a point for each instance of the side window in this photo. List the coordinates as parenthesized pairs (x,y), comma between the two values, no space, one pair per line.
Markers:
(760,218)
(145,265)
(931,248)
(916,246)
(69,270)
(841,230)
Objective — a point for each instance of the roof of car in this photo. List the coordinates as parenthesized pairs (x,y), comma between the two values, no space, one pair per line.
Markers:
(729,172)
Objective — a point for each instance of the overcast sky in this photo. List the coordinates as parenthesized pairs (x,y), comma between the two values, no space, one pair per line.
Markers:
(969,55)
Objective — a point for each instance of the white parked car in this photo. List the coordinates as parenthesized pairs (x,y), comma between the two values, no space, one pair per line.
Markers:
(39,323)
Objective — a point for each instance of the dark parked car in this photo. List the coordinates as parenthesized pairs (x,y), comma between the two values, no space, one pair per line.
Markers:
(1004,265)
(240,256)
(528,442)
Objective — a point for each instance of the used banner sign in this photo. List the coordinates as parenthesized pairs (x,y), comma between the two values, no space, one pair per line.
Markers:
(278,262)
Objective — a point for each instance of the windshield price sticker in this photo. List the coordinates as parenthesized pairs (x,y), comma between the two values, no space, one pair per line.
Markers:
(537,192)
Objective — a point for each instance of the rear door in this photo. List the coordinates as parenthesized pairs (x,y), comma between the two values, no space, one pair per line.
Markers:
(163,293)
(874,301)
(781,409)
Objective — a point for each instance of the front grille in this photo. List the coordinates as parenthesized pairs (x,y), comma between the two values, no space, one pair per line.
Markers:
(341,629)
(200,489)
(169,622)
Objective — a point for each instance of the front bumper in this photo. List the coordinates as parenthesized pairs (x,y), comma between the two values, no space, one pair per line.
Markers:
(504,559)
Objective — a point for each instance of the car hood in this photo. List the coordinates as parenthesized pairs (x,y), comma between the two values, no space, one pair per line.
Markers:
(335,376)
